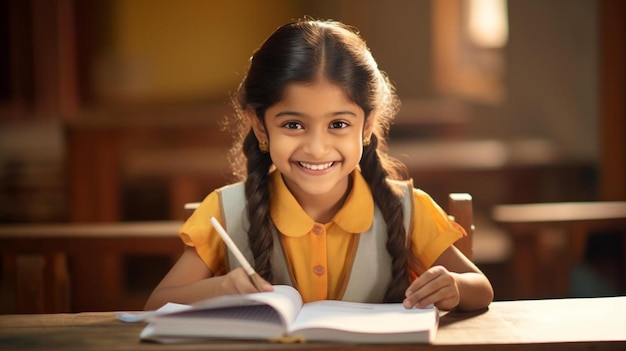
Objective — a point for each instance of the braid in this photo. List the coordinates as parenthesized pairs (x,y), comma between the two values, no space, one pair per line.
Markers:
(391,206)
(257,192)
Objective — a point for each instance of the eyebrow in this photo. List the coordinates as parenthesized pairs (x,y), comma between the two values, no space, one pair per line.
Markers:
(299,114)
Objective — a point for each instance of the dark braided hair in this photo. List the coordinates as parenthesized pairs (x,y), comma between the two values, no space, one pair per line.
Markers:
(304,51)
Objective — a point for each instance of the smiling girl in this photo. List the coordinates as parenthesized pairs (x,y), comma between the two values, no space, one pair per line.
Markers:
(320,205)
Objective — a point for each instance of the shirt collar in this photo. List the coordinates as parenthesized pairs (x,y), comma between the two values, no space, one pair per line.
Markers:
(355,216)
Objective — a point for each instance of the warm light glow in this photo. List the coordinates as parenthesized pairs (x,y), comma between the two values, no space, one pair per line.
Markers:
(488,23)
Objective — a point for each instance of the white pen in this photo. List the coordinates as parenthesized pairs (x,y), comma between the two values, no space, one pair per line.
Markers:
(254,277)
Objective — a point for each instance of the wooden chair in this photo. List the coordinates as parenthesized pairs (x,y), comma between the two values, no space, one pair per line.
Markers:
(460,210)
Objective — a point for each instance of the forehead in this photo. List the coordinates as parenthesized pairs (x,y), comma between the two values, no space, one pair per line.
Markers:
(318,96)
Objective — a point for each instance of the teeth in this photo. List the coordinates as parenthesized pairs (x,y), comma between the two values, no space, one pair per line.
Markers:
(316,167)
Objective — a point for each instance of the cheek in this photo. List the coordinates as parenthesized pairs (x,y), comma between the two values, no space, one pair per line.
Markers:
(354,149)
(279,148)
(359,154)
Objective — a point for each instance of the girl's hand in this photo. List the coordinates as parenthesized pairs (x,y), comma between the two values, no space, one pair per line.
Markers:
(436,286)
(237,281)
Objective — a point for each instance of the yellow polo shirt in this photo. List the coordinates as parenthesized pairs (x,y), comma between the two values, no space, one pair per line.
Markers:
(318,253)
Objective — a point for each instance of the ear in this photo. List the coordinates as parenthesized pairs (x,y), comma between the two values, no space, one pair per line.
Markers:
(368,128)
(257,125)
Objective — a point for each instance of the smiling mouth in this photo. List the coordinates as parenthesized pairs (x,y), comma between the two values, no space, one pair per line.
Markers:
(316,167)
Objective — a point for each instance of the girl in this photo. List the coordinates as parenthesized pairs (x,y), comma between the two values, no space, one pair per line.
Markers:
(319,206)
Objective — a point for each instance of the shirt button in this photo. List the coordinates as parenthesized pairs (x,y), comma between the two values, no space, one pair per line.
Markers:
(318,229)
(319,270)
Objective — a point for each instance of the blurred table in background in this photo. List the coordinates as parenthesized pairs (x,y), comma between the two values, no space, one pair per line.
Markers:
(80,267)
(181,150)
(550,238)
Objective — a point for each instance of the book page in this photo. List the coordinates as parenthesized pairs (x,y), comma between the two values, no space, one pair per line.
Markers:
(350,321)
(284,299)
(245,322)
(261,315)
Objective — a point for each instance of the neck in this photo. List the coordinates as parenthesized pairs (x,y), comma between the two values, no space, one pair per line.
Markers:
(322,208)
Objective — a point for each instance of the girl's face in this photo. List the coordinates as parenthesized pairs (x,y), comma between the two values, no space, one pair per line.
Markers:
(315,137)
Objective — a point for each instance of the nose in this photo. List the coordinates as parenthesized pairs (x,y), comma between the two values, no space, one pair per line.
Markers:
(316,142)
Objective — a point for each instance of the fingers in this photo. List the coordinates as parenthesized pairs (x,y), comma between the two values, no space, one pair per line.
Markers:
(435,286)
(261,284)
(238,281)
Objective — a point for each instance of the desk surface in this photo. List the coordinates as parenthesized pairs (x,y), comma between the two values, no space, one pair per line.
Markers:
(560,212)
(568,324)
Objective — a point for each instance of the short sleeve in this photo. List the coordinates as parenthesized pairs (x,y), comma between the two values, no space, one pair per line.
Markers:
(198,232)
(433,232)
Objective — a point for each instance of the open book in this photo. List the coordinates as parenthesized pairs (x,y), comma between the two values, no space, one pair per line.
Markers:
(281,316)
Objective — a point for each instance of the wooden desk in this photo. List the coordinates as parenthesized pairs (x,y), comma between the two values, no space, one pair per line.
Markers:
(561,324)
(549,238)
(37,259)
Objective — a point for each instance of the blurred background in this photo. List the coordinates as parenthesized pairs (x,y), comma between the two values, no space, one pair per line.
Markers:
(110,110)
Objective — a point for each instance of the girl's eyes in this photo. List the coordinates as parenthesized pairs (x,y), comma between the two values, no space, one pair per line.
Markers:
(338,125)
(298,125)
(292,125)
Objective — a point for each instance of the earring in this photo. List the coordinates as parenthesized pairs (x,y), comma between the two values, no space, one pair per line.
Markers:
(264,146)
(366,141)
